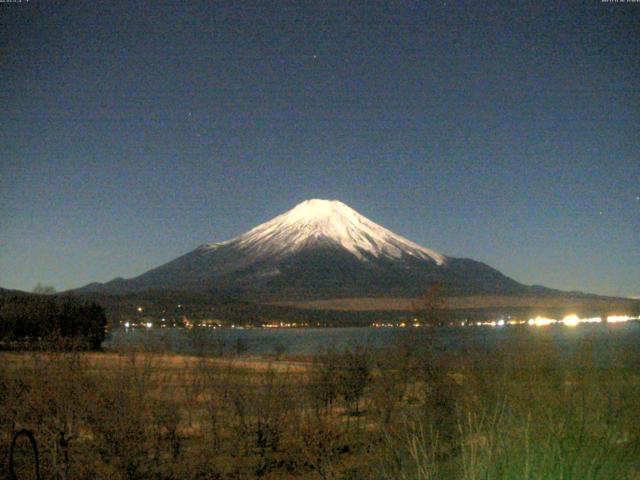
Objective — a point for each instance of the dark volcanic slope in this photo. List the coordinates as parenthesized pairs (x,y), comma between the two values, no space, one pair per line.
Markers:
(323,272)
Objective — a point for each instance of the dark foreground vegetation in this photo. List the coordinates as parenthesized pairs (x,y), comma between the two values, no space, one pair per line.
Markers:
(36,321)
(524,410)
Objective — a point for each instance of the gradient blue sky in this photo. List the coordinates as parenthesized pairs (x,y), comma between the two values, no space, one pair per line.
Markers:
(508,132)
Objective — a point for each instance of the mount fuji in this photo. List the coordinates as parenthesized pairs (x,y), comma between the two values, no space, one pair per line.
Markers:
(319,249)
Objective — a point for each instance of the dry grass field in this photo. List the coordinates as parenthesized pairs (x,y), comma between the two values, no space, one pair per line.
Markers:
(526,410)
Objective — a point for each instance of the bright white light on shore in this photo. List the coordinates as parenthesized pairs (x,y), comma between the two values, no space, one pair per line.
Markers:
(127,324)
(501,323)
(149,324)
(541,321)
(618,318)
(139,309)
(571,320)
(592,320)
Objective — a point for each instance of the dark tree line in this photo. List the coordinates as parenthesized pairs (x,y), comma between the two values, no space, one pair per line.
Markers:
(30,319)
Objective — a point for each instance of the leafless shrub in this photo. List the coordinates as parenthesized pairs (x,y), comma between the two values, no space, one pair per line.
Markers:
(394,371)
(354,376)
(323,380)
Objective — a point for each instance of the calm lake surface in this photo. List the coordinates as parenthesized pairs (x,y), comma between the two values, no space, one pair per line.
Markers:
(305,341)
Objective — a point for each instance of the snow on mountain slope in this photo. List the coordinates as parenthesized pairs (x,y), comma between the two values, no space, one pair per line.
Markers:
(317,221)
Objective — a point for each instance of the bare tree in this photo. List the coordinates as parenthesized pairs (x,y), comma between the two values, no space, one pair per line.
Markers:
(430,306)
(44,289)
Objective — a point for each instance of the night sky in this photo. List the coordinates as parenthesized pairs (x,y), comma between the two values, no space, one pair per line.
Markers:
(507,132)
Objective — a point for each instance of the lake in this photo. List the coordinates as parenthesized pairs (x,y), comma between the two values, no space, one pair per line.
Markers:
(305,341)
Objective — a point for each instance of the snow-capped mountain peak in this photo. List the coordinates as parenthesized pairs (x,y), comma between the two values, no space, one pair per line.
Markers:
(320,249)
(330,221)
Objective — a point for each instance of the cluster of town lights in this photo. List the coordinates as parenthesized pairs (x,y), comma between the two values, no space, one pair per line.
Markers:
(539,321)
(569,321)
(573,320)
(284,325)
